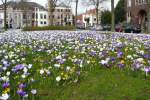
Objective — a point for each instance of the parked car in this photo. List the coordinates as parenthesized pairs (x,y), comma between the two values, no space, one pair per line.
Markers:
(97,28)
(106,28)
(132,29)
(119,28)
(80,26)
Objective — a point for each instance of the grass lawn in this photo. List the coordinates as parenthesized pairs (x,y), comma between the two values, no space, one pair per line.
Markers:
(106,68)
(102,84)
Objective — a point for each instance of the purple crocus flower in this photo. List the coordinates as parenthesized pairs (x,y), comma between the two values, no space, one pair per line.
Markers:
(137,65)
(5,85)
(112,59)
(21,93)
(120,54)
(22,86)
(93,53)
(146,56)
(121,65)
(18,67)
(147,69)
(77,62)
(61,61)
(5,63)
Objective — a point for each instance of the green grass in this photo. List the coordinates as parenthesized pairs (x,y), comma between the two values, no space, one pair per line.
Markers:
(101,84)
(95,82)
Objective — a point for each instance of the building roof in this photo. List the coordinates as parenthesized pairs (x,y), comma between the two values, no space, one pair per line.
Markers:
(20,5)
(91,11)
(63,5)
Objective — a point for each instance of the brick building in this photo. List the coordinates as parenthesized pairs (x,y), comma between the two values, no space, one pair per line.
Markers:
(137,12)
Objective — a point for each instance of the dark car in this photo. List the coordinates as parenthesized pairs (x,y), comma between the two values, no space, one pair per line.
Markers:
(106,28)
(132,29)
(119,28)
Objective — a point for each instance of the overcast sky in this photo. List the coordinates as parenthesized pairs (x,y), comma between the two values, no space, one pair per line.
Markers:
(81,9)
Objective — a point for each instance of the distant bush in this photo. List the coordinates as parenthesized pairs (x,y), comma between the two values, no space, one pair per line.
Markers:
(48,28)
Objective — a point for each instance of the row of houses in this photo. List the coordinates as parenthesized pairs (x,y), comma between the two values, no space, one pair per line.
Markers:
(34,15)
(37,15)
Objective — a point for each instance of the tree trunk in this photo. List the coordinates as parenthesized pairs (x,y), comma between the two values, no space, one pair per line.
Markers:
(113,16)
(97,13)
(51,18)
(51,7)
(148,17)
(5,15)
(76,13)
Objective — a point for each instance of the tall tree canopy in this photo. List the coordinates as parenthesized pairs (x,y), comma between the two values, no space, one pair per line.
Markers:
(106,17)
(120,13)
(51,7)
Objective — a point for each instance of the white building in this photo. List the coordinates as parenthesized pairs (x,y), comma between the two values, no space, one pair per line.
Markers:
(34,15)
(88,19)
(41,17)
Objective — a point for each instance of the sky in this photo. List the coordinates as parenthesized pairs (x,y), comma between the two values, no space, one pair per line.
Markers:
(81,8)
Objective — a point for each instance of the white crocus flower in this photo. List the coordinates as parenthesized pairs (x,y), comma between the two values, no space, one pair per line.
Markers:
(103,62)
(25,70)
(33,91)
(23,76)
(8,73)
(30,66)
(140,60)
(58,78)
(67,68)
(4,97)
(57,65)
(41,71)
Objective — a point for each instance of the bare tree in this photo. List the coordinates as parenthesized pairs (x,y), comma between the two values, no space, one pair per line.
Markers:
(69,2)
(5,13)
(24,8)
(148,25)
(112,16)
(76,11)
(51,7)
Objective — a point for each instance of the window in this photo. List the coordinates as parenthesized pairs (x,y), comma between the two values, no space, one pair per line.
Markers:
(41,16)
(24,16)
(61,16)
(58,17)
(139,2)
(33,15)
(44,22)
(68,17)
(44,16)
(41,22)
(36,9)
(36,16)
(53,16)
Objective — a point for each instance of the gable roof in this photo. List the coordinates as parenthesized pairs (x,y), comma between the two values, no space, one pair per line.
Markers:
(19,5)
